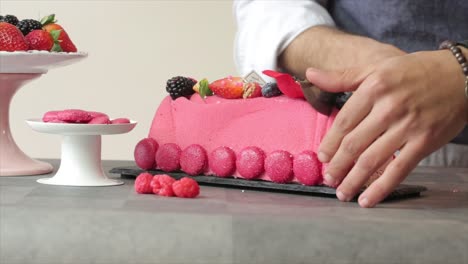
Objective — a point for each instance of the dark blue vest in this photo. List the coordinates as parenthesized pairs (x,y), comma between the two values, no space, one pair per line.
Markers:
(411,25)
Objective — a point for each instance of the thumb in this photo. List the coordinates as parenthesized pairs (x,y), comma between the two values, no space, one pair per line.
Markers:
(337,81)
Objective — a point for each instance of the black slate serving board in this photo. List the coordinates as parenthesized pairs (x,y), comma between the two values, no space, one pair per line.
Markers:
(402,191)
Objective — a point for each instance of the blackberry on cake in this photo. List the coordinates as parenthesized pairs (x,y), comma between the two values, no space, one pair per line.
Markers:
(9,19)
(180,86)
(28,25)
(271,90)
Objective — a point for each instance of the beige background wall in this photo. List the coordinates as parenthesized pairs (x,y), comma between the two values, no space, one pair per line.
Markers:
(134,47)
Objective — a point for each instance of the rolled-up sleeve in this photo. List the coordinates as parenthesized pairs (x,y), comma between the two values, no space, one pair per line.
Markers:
(266,28)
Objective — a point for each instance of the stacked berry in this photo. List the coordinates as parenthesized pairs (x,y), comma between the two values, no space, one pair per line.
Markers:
(30,34)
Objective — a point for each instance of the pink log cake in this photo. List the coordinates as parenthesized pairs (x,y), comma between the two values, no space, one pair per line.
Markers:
(273,139)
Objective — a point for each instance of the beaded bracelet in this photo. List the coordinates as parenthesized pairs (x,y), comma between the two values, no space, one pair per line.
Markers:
(456,51)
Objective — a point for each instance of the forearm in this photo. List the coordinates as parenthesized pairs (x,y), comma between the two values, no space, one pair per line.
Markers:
(330,49)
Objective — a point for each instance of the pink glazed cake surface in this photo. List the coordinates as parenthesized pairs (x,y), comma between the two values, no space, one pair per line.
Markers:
(287,132)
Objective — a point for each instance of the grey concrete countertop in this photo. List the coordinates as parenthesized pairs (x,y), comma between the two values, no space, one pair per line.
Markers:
(53,224)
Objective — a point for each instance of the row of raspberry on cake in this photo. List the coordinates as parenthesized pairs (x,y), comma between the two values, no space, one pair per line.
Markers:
(250,163)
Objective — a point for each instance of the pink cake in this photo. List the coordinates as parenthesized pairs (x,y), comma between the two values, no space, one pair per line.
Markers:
(273,139)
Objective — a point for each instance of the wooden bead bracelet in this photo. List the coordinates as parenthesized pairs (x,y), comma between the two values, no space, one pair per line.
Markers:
(456,51)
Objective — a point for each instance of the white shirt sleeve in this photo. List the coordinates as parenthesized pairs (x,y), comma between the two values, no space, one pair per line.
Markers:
(266,28)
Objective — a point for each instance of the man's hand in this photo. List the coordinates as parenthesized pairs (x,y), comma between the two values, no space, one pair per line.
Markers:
(413,103)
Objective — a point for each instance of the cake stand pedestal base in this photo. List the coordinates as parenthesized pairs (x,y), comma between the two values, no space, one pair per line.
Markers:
(81,163)
(13,161)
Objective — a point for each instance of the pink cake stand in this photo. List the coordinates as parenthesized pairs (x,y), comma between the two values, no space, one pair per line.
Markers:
(80,164)
(17,69)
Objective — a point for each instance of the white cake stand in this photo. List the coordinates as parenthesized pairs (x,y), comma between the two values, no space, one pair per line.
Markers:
(17,69)
(81,152)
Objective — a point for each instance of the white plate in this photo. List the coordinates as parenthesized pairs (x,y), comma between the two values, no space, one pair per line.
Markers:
(36,61)
(79,129)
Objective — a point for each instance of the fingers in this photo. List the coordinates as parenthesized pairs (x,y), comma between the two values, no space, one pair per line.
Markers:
(337,81)
(370,161)
(393,175)
(355,143)
(352,113)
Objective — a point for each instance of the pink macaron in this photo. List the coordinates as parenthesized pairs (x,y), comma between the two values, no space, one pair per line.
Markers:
(74,116)
(279,166)
(168,157)
(145,153)
(193,159)
(103,119)
(94,114)
(50,116)
(120,121)
(222,161)
(307,168)
(250,162)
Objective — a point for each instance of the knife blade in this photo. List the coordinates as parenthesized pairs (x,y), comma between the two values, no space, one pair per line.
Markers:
(320,100)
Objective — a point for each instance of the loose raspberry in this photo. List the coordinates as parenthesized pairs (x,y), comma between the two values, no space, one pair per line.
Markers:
(162,185)
(143,183)
(186,188)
